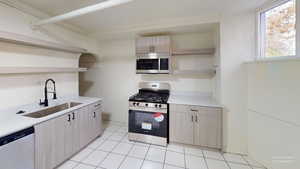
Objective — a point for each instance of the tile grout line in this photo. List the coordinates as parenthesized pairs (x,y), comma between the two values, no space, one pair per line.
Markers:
(93,150)
(125,156)
(247,162)
(165,157)
(148,148)
(204,157)
(226,161)
(75,165)
(185,165)
(251,166)
(134,144)
(110,152)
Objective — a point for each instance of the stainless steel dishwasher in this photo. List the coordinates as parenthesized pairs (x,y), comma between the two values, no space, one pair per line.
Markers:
(17,150)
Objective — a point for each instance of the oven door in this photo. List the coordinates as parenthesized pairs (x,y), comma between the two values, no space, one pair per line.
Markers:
(149,123)
(147,65)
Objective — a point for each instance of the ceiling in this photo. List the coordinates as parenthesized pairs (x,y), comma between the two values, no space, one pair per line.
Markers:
(140,12)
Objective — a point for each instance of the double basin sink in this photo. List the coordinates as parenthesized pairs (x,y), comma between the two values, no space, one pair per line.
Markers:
(52,110)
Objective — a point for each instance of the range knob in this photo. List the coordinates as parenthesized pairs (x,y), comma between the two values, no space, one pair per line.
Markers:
(146,104)
(159,106)
(137,104)
(155,105)
(133,103)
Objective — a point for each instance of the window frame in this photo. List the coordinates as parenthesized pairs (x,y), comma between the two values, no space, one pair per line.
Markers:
(260,45)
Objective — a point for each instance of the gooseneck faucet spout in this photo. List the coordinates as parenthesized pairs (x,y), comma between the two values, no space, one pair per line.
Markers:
(46,101)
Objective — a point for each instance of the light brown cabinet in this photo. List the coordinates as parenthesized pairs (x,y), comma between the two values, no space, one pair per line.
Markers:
(93,128)
(96,127)
(48,135)
(181,127)
(58,139)
(72,134)
(196,125)
(157,44)
(84,126)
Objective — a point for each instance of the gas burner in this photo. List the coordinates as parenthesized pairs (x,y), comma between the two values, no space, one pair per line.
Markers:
(151,96)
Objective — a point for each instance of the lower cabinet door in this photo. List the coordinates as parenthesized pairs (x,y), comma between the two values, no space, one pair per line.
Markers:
(96,123)
(91,124)
(84,126)
(58,140)
(76,131)
(68,136)
(99,122)
(49,143)
(208,129)
(181,127)
(43,146)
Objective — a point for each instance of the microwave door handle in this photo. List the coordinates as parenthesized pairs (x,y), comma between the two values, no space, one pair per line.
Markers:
(158,64)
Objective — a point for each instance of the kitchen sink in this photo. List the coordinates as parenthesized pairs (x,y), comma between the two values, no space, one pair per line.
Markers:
(52,110)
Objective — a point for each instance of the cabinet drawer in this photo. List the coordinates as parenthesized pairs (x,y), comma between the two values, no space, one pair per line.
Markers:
(204,109)
(186,108)
(179,108)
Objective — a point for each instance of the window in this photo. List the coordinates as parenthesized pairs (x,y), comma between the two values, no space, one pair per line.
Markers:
(277,34)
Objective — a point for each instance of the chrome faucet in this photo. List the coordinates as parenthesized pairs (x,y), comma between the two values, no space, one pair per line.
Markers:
(46,102)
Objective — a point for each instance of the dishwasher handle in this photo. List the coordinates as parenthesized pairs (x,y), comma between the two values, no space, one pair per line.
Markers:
(16,136)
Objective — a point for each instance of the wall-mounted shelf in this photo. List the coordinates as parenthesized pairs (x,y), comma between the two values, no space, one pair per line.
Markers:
(182,52)
(29,41)
(25,70)
(210,72)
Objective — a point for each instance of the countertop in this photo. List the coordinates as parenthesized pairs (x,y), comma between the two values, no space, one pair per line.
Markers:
(10,122)
(193,99)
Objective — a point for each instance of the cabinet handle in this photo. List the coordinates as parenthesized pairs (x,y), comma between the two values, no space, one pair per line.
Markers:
(73,114)
(94,114)
(69,117)
(194,110)
(196,119)
(192,118)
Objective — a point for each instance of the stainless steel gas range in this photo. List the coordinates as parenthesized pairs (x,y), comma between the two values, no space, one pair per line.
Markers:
(149,114)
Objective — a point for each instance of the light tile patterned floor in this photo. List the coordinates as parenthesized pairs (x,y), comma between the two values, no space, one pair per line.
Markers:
(114,151)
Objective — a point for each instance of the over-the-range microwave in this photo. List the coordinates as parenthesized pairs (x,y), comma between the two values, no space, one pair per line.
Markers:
(153,65)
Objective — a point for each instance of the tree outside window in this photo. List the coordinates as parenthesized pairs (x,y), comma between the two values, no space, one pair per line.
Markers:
(279,28)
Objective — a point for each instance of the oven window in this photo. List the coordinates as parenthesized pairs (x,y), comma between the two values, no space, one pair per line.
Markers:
(164,64)
(147,64)
(150,123)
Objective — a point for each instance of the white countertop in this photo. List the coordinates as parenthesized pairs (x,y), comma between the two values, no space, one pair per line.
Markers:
(194,99)
(11,122)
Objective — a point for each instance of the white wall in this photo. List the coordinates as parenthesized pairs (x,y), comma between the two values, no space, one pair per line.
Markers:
(274,119)
(27,88)
(237,45)
(116,80)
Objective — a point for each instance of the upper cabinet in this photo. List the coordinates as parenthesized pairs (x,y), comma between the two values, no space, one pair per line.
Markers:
(153,44)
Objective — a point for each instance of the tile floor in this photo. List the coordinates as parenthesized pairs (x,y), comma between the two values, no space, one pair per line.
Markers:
(114,151)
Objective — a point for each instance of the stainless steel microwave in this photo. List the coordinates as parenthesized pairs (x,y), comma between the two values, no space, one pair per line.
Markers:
(153,65)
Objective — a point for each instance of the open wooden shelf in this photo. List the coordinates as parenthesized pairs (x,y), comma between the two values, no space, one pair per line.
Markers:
(29,41)
(28,70)
(204,71)
(182,52)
